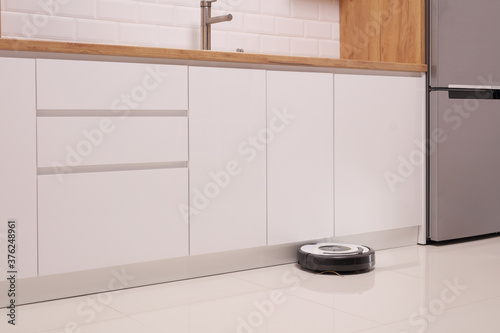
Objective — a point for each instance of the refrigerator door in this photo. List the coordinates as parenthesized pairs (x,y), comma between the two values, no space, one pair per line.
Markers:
(465,166)
(464,42)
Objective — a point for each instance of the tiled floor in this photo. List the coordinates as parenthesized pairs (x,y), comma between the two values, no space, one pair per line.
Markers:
(437,289)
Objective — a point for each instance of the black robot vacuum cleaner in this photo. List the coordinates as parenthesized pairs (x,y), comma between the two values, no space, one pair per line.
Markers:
(334,257)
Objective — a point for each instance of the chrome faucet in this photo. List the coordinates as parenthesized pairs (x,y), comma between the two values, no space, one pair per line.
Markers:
(207,20)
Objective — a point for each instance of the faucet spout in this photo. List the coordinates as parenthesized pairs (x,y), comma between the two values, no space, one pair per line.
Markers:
(218,19)
(206,22)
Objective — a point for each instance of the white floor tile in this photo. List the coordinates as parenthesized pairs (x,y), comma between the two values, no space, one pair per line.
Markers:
(57,314)
(410,260)
(475,265)
(122,325)
(228,314)
(296,315)
(175,319)
(476,317)
(382,296)
(166,295)
(381,329)
(431,289)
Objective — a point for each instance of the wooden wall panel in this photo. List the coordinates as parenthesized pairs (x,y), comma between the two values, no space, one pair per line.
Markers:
(383,30)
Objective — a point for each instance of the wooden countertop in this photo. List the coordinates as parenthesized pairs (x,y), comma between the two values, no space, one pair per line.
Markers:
(164,53)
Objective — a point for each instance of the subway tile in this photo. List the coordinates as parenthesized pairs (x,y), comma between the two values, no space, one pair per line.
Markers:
(187,17)
(14,25)
(84,9)
(275,45)
(289,27)
(219,41)
(248,6)
(250,43)
(305,47)
(329,49)
(137,34)
(125,11)
(156,14)
(259,24)
(96,31)
(177,37)
(275,7)
(320,30)
(47,27)
(28,6)
(305,9)
(335,31)
(329,10)
(184,3)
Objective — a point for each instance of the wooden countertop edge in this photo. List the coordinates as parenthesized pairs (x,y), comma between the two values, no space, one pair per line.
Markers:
(164,53)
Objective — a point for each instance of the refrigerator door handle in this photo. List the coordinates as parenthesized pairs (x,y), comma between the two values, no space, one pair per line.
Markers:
(461,93)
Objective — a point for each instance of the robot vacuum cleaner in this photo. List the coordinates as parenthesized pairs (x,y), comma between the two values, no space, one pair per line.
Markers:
(336,257)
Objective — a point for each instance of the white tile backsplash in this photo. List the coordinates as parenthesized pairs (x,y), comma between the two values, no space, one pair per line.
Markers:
(320,30)
(305,47)
(329,10)
(178,37)
(289,27)
(94,31)
(83,9)
(259,24)
(250,43)
(138,34)
(305,9)
(329,49)
(150,13)
(117,10)
(283,27)
(275,45)
(29,6)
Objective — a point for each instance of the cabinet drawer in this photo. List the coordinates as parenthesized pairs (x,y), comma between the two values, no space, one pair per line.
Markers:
(78,141)
(93,85)
(97,220)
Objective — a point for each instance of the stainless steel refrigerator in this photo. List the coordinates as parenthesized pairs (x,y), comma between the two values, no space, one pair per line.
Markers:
(464,118)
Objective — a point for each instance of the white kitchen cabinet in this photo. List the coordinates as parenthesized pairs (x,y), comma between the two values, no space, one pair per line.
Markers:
(101,219)
(379,159)
(81,141)
(18,163)
(227,159)
(96,85)
(299,156)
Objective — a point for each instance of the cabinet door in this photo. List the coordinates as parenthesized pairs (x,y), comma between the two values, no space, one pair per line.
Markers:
(66,142)
(94,85)
(300,156)
(101,219)
(227,159)
(379,160)
(18,162)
